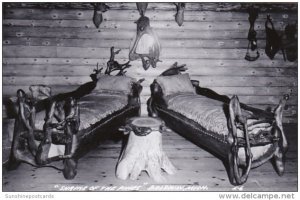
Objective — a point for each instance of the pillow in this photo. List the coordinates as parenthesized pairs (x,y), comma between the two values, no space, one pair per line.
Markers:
(175,84)
(40,92)
(114,84)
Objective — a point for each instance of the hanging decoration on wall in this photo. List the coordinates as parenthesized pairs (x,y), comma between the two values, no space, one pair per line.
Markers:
(252,50)
(142,7)
(99,8)
(291,48)
(145,45)
(273,40)
(179,16)
(113,65)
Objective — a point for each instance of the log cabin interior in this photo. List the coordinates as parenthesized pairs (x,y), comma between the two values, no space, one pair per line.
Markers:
(58,45)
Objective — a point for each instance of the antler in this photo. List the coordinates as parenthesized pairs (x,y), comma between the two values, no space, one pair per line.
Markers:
(113,65)
(174,69)
(96,72)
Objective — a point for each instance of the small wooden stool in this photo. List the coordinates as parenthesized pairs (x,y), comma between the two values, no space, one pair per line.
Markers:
(144,150)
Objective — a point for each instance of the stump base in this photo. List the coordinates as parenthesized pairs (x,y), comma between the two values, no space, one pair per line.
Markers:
(144,153)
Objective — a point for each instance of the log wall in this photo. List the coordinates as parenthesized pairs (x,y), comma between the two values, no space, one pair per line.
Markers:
(60,46)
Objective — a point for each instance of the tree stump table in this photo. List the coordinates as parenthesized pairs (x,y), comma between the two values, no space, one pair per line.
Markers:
(144,150)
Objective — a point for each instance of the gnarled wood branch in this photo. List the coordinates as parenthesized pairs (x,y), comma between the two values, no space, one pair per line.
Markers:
(113,65)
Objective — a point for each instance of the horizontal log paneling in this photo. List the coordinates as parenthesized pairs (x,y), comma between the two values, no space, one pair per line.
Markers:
(84,14)
(111,33)
(171,24)
(166,63)
(166,53)
(123,43)
(60,46)
(198,6)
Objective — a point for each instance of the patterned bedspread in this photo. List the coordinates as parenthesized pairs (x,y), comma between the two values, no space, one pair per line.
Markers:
(93,108)
(210,114)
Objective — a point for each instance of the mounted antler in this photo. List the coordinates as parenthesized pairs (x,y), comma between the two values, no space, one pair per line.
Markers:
(96,71)
(179,16)
(99,8)
(174,69)
(113,65)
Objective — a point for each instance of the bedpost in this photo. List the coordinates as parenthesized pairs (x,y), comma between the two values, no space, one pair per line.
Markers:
(279,155)
(235,118)
(156,91)
(23,131)
(156,97)
(71,129)
(136,89)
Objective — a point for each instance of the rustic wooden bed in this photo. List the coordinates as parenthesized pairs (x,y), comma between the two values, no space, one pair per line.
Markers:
(242,136)
(67,125)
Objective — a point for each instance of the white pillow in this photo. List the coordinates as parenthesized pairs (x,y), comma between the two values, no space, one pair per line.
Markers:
(107,83)
(175,84)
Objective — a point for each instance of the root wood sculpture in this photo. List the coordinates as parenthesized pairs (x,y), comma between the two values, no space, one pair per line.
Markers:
(47,127)
(179,16)
(144,150)
(61,125)
(252,45)
(99,8)
(146,45)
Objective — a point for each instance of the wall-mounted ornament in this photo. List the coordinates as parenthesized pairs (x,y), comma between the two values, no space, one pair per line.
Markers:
(179,16)
(273,40)
(145,45)
(252,50)
(142,7)
(99,8)
(113,65)
(290,44)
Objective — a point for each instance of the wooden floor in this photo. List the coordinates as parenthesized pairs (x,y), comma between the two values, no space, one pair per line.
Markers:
(197,170)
